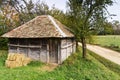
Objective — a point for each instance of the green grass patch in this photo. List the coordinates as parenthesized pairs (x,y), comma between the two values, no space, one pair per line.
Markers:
(110,65)
(74,68)
(3,56)
(35,63)
(109,41)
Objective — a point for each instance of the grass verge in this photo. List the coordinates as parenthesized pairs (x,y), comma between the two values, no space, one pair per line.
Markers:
(110,65)
(74,68)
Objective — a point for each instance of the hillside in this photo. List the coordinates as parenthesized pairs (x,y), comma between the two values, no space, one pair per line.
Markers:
(74,68)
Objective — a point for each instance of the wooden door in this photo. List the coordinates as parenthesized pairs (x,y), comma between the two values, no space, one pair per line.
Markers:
(53,51)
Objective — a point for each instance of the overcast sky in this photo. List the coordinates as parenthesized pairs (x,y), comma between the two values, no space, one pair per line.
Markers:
(61,4)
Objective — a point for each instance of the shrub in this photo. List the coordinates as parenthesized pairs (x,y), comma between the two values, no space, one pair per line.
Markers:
(3,43)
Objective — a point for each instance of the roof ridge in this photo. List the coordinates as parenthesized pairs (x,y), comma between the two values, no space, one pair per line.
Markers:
(56,26)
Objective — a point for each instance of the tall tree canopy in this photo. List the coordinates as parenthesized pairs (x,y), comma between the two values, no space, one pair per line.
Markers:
(16,12)
(85,18)
(116,27)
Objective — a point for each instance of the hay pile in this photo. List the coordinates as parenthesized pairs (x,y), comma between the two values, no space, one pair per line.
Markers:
(16,60)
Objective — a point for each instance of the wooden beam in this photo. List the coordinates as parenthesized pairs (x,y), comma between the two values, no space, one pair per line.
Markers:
(67,46)
(25,46)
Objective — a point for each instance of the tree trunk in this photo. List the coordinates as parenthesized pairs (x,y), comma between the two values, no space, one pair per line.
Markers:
(83,47)
(76,45)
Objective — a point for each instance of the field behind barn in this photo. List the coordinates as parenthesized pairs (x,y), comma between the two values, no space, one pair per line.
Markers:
(109,41)
(74,68)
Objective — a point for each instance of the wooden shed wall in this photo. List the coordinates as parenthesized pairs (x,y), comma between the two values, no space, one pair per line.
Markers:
(36,49)
(40,49)
(68,46)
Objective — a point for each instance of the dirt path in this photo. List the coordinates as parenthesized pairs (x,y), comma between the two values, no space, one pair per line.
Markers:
(48,67)
(106,53)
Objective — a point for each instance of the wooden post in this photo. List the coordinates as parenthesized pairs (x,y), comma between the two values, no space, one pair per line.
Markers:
(48,51)
(66,49)
(28,48)
(18,46)
(8,48)
(40,50)
(59,51)
(72,46)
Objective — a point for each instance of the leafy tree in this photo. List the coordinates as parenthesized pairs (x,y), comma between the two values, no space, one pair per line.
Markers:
(86,16)
(28,9)
(107,29)
(116,27)
(58,14)
(9,17)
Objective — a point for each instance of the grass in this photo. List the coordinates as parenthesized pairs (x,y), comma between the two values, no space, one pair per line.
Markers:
(74,68)
(110,65)
(109,41)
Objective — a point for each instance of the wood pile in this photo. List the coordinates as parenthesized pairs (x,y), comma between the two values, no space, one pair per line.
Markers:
(16,60)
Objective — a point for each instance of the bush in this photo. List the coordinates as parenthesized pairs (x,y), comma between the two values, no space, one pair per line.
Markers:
(3,57)
(3,43)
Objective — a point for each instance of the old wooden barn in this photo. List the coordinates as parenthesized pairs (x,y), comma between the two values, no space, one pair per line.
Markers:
(43,38)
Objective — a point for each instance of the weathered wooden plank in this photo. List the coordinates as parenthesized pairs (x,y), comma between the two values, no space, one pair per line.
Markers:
(63,54)
(63,42)
(39,49)
(66,46)
(74,46)
(18,47)
(53,51)
(25,46)
(43,56)
(23,50)
(34,53)
(59,52)
(12,49)
(47,53)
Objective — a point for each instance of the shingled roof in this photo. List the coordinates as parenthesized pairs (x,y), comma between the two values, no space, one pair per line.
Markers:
(40,27)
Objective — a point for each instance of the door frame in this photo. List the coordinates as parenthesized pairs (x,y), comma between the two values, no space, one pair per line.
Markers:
(51,44)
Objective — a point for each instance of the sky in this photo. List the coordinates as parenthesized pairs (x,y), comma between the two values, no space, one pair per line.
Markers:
(115,9)
(61,4)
